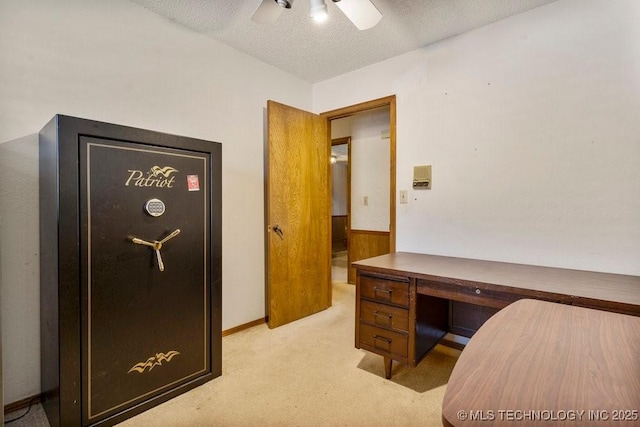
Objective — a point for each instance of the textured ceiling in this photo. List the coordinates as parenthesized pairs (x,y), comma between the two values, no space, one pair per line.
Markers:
(316,52)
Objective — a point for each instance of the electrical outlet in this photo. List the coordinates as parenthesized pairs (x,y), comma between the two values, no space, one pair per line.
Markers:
(366,200)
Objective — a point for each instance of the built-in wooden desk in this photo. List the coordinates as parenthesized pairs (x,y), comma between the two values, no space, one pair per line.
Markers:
(406,302)
(537,363)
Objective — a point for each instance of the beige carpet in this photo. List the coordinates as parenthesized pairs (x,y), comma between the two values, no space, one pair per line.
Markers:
(309,373)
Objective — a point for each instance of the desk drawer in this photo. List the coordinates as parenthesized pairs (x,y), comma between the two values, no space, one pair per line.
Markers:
(383,340)
(468,293)
(384,316)
(384,290)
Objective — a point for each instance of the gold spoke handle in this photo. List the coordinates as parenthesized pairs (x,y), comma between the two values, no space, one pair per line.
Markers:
(141,242)
(157,245)
(159,257)
(170,236)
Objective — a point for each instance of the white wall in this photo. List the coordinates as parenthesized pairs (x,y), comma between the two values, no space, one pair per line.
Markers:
(369,159)
(341,128)
(370,171)
(117,62)
(531,125)
(19,259)
(339,187)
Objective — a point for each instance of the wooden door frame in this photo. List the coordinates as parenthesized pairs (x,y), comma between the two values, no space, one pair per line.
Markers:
(387,101)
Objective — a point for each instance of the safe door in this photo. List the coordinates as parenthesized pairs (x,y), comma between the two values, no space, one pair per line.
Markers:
(145,272)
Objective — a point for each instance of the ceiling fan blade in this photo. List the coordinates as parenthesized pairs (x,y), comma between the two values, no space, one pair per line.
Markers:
(267,12)
(362,13)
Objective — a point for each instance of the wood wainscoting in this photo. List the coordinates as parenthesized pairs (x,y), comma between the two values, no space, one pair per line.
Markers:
(339,236)
(366,244)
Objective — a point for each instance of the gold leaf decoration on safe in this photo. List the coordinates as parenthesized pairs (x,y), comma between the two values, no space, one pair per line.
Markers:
(154,361)
(165,171)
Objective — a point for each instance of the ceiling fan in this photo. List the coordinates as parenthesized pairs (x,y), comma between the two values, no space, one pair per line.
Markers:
(362,13)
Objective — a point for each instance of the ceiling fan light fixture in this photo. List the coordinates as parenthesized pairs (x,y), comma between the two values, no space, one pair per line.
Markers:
(269,10)
(318,10)
(362,13)
(285,3)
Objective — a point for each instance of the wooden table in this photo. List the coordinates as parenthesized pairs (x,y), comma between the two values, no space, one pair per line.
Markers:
(537,363)
(407,302)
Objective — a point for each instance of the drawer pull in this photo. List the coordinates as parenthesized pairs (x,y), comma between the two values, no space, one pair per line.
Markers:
(382,319)
(377,313)
(383,339)
(478,291)
(385,291)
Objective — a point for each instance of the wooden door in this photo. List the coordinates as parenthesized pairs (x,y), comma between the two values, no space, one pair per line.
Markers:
(298,204)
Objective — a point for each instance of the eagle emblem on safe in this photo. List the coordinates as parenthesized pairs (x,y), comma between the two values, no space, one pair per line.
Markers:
(157,176)
(153,361)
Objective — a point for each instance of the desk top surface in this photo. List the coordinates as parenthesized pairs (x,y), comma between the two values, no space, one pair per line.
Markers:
(587,284)
(541,356)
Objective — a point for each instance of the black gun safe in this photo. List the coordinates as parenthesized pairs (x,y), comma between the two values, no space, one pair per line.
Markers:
(130,242)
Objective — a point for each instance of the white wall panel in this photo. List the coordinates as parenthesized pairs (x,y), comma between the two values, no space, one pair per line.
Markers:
(370,171)
(117,62)
(531,125)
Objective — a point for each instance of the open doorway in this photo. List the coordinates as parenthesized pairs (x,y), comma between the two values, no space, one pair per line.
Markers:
(340,207)
(369,220)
